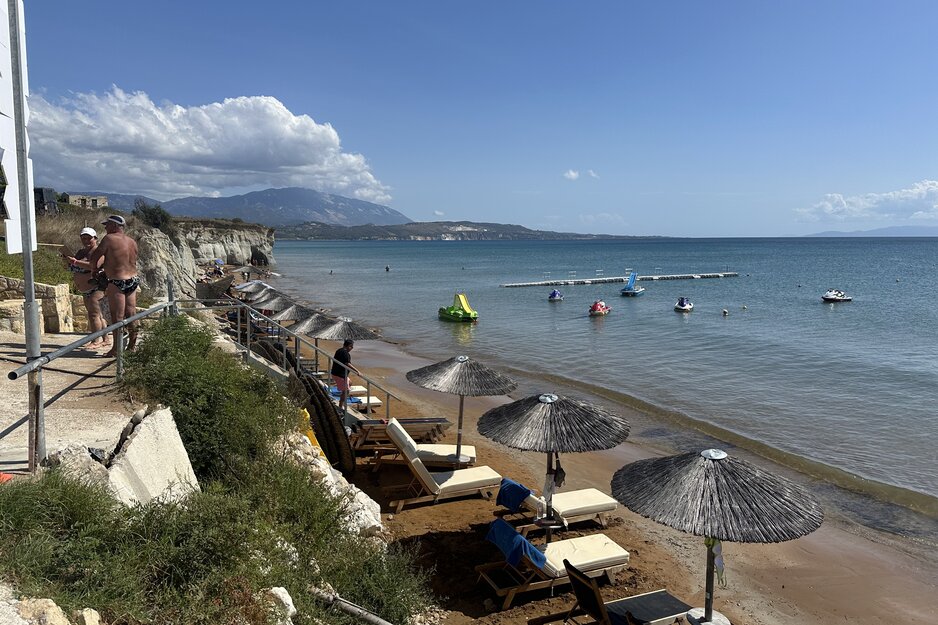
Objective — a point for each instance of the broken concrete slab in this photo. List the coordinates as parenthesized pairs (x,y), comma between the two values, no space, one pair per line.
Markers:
(153,463)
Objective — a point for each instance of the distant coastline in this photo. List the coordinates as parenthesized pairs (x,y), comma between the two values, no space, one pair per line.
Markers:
(434,231)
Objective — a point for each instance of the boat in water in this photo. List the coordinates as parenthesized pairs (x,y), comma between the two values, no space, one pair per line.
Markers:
(836,295)
(599,308)
(684,305)
(555,296)
(460,310)
(630,290)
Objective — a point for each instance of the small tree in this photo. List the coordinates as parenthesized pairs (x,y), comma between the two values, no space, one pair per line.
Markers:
(154,215)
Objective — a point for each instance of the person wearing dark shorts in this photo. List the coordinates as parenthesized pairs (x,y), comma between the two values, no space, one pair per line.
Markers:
(341,365)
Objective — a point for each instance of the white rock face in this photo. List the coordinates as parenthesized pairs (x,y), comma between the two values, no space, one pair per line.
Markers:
(195,244)
(42,612)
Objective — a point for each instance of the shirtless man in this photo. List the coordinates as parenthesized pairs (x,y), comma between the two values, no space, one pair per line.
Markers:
(83,274)
(120,267)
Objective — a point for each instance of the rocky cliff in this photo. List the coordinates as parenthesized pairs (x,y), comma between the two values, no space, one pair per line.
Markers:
(197,243)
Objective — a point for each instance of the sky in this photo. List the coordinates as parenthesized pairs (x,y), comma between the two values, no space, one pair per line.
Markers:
(681,118)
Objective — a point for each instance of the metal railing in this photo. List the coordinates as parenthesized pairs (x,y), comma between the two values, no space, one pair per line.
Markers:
(246,316)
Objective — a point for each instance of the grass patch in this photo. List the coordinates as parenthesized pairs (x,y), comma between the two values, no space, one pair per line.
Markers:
(47,266)
(260,520)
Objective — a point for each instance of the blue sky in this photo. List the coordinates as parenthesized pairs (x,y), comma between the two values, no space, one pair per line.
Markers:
(650,118)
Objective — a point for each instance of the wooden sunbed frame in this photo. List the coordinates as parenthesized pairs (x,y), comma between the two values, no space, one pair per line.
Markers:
(423,483)
(509,581)
(660,607)
(370,435)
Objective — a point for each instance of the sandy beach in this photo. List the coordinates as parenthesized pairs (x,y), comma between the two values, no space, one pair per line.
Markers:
(843,572)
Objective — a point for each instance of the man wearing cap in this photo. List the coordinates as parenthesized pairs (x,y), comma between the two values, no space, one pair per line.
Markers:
(83,273)
(120,266)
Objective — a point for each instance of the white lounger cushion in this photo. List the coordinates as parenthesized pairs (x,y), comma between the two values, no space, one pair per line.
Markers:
(429,452)
(574,503)
(587,553)
(465,479)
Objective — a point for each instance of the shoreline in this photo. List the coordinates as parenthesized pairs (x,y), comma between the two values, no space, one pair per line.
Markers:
(843,570)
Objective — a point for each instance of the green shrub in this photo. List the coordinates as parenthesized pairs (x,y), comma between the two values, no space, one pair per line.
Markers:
(47,266)
(154,215)
(267,522)
(226,414)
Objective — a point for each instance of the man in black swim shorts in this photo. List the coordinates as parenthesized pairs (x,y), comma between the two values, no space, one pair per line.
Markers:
(120,267)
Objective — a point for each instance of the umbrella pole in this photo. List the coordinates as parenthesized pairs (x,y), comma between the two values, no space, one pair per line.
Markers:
(549,496)
(316,357)
(708,603)
(462,398)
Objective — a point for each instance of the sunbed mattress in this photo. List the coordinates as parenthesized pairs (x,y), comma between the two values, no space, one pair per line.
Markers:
(587,553)
(466,479)
(587,501)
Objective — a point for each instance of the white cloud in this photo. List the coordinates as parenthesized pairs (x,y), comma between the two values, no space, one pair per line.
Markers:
(592,174)
(571,174)
(439,213)
(920,202)
(124,142)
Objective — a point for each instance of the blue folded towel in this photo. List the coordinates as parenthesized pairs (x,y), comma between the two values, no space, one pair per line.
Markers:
(513,545)
(511,494)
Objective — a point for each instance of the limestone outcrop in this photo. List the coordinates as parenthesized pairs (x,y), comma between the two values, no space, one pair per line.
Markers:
(198,243)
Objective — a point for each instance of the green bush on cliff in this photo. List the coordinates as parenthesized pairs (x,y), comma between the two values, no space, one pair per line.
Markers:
(227,415)
(263,522)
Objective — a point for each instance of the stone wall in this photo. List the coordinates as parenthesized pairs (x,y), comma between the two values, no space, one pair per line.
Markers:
(55,301)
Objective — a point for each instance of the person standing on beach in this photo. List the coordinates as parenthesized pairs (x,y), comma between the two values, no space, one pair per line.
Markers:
(340,373)
(120,267)
(83,274)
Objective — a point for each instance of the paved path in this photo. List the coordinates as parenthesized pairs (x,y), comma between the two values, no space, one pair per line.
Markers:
(82,402)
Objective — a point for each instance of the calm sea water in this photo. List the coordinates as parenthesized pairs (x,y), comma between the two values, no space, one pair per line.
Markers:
(852,387)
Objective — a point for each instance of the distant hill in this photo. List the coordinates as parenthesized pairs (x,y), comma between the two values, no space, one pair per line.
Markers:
(431,231)
(894,231)
(273,207)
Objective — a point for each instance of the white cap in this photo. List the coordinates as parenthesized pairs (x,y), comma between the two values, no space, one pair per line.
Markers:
(90,231)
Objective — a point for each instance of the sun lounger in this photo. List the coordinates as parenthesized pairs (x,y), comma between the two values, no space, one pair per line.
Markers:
(426,486)
(651,608)
(569,507)
(371,435)
(431,454)
(369,402)
(528,568)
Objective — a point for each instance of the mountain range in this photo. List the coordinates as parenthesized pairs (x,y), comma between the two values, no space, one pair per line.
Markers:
(893,231)
(272,207)
(433,231)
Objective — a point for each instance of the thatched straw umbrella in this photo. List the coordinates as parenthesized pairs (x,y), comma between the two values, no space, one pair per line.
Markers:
(293,313)
(555,425)
(344,328)
(252,287)
(721,498)
(462,376)
(275,301)
(339,330)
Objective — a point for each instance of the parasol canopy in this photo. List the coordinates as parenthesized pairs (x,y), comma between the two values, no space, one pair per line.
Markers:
(553,424)
(343,328)
(293,313)
(713,495)
(252,286)
(275,301)
(462,376)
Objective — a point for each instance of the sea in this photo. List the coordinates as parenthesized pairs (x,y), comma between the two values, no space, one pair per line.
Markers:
(846,393)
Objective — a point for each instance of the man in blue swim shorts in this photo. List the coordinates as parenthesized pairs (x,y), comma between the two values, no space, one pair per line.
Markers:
(120,267)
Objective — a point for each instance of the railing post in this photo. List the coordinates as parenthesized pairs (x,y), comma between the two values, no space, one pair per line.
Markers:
(119,349)
(171,296)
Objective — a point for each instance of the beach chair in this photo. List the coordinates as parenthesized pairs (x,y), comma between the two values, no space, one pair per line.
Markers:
(527,568)
(353,390)
(367,403)
(371,435)
(569,507)
(426,486)
(651,608)
(430,454)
